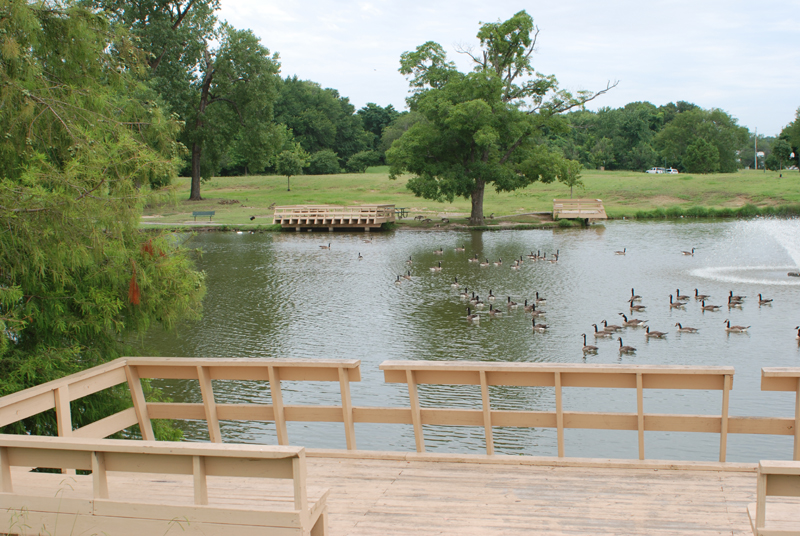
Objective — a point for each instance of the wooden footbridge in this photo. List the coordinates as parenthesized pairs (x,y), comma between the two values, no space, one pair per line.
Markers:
(330,217)
(579,209)
(145,486)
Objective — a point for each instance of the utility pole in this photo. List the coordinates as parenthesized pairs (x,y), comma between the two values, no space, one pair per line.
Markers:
(755,150)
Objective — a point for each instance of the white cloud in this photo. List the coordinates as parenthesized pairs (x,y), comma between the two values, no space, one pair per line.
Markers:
(727,54)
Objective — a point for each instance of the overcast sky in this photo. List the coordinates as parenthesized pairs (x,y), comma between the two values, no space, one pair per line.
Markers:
(743,57)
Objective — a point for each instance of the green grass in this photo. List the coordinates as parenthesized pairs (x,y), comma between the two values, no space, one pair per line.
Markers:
(624,193)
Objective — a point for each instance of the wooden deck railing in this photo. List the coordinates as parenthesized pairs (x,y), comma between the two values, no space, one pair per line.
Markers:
(560,378)
(331,216)
(578,209)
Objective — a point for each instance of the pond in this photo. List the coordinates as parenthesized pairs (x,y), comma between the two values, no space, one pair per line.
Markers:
(279,295)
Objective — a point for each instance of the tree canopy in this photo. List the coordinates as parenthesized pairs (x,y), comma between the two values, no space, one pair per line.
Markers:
(84,140)
(482,127)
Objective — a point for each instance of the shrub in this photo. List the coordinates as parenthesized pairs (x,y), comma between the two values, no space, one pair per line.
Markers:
(565,223)
(359,162)
(696,212)
(324,162)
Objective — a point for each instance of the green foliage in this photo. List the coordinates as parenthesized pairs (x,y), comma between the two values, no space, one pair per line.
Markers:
(324,162)
(483,127)
(84,140)
(291,162)
(375,119)
(359,162)
(781,150)
(701,157)
(791,133)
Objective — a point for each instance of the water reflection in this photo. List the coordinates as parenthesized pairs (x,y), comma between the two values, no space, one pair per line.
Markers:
(282,296)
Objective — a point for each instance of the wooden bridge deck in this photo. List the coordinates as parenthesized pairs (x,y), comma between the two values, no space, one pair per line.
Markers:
(399,494)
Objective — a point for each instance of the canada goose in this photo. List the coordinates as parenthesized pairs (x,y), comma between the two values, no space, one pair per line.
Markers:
(491,296)
(705,307)
(679,296)
(511,304)
(554,259)
(675,305)
(700,297)
(397,281)
(537,312)
(633,322)
(528,308)
(636,307)
(460,248)
(733,303)
(367,241)
(690,253)
(532,256)
(612,327)
(634,297)
(598,333)
(623,252)
(409,261)
(474,298)
(515,266)
(407,276)
(479,302)
(657,334)
(538,327)
(325,247)
(464,295)
(625,349)
(498,262)
(473,259)
(454,284)
(762,301)
(437,268)
(360,257)
(687,329)
(439,251)
(472,317)
(494,312)
(734,329)
(539,300)
(521,260)
(798,333)
(735,298)
(588,348)
(485,264)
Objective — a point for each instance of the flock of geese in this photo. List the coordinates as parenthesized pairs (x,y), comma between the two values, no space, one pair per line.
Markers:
(607,331)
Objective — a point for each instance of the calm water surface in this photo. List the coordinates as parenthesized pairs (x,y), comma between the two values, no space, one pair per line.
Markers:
(278,295)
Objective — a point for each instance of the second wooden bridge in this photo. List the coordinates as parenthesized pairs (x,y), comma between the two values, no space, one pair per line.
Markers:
(332,217)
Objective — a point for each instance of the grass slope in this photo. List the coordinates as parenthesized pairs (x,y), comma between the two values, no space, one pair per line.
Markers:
(624,193)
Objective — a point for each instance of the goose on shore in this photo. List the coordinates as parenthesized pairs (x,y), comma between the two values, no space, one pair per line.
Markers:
(686,329)
(625,349)
(734,329)
(763,301)
(690,253)
(705,307)
(598,333)
(633,322)
(588,348)
(700,297)
(538,327)
(656,334)
(623,252)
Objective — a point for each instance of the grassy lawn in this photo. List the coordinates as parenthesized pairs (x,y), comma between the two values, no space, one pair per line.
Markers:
(236,199)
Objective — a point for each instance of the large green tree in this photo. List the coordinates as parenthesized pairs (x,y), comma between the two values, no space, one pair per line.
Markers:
(483,127)
(84,139)
(791,133)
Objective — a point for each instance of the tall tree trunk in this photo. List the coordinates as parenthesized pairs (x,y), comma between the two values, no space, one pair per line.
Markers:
(476,216)
(196,153)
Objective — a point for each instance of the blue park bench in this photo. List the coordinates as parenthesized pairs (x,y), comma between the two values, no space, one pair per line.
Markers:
(209,213)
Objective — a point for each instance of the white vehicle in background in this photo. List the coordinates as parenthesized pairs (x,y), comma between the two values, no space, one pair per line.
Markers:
(671,171)
(656,170)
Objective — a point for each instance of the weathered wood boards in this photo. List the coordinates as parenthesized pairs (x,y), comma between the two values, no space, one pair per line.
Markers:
(776,479)
(329,216)
(97,503)
(578,209)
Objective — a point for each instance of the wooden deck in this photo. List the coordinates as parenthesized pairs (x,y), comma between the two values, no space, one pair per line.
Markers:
(300,217)
(398,493)
(579,209)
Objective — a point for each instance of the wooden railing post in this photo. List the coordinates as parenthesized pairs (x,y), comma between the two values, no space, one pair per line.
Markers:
(761,499)
(139,403)
(796,456)
(199,480)
(723,431)
(5,472)
(300,492)
(277,405)
(416,416)
(63,414)
(487,413)
(640,413)
(559,416)
(99,477)
(347,408)
(209,404)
